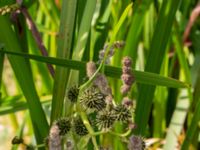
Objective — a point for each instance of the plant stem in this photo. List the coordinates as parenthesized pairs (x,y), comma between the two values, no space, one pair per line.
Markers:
(89,128)
(121,134)
(31,25)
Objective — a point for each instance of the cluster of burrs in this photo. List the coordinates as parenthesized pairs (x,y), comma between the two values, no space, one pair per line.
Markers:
(97,102)
(61,128)
(94,103)
(18,140)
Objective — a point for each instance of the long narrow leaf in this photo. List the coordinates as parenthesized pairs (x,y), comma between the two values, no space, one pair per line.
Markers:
(1,68)
(134,33)
(64,46)
(11,107)
(196,117)
(154,61)
(141,77)
(177,121)
(8,38)
(82,38)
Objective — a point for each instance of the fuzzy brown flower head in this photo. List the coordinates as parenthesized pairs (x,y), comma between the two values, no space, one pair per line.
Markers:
(64,125)
(136,143)
(105,119)
(119,44)
(90,68)
(111,52)
(122,113)
(92,98)
(126,70)
(127,102)
(72,94)
(125,89)
(17,140)
(127,79)
(132,125)
(54,139)
(79,127)
(127,61)
(102,83)
(101,80)
(109,99)
(101,54)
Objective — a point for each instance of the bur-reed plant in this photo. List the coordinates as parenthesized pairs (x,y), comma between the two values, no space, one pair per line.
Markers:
(95,100)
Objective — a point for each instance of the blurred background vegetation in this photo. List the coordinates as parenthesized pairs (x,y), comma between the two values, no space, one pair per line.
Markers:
(160,36)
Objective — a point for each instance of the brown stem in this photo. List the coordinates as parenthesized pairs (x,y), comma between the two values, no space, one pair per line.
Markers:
(193,17)
(37,37)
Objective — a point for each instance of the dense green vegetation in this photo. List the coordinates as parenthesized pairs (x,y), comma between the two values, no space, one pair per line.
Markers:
(99,74)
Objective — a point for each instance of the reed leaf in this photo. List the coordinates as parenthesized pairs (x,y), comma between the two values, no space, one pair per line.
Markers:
(154,61)
(64,45)
(141,77)
(8,38)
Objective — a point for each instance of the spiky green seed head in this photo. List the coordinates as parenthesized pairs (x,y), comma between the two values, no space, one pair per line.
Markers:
(92,98)
(72,94)
(64,125)
(122,113)
(79,127)
(105,119)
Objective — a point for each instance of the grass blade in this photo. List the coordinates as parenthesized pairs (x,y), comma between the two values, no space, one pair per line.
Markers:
(1,69)
(154,61)
(81,42)
(134,33)
(25,80)
(172,137)
(101,29)
(141,77)
(64,46)
(177,121)
(14,104)
(84,29)
(196,117)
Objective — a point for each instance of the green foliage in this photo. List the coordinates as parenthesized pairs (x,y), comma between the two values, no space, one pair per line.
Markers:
(91,111)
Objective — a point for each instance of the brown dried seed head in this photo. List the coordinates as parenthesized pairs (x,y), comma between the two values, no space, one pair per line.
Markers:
(125,89)
(101,54)
(127,102)
(119,44)
(102,83)
(127,79)
(132,125)
(108,99)
(127,61)
(126,70)
(101,80)
(91,68)
(54,138)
